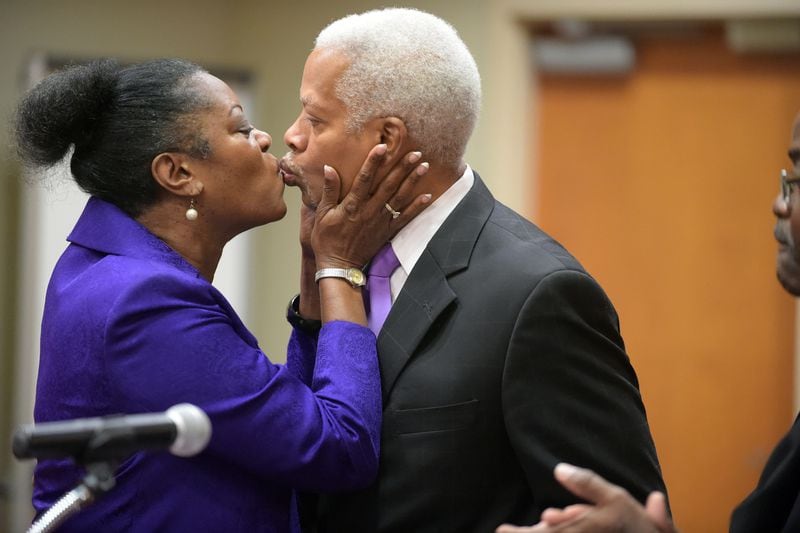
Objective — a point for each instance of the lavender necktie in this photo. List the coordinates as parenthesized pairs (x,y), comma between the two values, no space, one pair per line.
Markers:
(380,293)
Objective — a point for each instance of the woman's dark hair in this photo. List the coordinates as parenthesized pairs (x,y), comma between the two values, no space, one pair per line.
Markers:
(117,119)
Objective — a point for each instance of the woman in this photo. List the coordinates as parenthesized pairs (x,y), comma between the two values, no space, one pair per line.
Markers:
(132,323)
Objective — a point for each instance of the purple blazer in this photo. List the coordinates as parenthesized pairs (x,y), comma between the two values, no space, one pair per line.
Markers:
(129,326)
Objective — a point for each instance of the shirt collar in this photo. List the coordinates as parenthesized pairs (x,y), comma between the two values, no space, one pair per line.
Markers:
(411,241)
(104,227)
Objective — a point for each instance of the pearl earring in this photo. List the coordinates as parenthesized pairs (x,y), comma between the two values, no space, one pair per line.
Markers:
(191,213)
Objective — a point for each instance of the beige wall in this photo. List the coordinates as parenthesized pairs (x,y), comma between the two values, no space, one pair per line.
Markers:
(271,39)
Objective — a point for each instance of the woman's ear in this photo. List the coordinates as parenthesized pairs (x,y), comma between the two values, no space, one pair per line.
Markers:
(173,172)
(394,135)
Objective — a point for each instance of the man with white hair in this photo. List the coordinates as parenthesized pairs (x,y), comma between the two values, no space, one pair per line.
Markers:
(500,356)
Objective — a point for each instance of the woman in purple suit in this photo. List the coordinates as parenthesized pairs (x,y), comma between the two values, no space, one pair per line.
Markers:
(133,324)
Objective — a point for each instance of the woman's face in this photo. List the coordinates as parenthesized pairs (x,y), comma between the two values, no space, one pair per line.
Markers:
(241,186)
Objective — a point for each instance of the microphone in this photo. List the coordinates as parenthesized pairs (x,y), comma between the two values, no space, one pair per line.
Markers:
(184,428)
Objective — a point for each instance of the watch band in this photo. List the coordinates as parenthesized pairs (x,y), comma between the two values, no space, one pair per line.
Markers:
(293,316)
(354,276)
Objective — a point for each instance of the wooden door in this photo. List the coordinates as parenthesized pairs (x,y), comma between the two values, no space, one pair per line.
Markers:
(661,183)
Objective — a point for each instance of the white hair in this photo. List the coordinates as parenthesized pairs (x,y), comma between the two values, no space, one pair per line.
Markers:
(412,65)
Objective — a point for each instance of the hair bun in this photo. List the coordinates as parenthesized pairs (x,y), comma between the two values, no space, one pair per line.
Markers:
(64,109)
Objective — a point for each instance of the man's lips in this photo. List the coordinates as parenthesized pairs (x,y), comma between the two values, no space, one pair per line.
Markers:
(780,237)
(286,173)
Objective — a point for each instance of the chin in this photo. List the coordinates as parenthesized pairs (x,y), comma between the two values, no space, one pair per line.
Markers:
(309,202)
(789,276)
(282,213)
(278,213)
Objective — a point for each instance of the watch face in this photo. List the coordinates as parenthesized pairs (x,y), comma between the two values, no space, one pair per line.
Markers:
(355,276)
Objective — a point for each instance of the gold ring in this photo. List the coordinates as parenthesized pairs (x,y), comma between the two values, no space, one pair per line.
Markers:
(394,213)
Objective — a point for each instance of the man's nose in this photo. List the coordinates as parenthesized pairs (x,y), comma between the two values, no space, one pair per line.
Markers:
(780,207)
(294,137)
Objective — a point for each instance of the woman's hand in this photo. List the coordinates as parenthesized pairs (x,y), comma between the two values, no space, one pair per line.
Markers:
(309,292)
(349,233)
(307,218)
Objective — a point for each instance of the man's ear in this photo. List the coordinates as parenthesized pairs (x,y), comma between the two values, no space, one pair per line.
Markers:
(395,135)
(173,172)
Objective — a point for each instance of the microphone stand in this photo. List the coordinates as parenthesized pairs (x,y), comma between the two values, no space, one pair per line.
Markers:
(99,479)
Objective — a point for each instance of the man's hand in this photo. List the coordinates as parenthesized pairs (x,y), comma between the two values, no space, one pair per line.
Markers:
(610,508)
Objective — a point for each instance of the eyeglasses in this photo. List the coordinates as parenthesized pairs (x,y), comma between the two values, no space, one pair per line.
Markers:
(788,184)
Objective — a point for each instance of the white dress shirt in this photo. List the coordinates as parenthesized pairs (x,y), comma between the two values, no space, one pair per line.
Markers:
(411,241)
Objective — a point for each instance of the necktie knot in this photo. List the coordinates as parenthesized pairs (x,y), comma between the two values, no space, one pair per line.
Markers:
(384,263)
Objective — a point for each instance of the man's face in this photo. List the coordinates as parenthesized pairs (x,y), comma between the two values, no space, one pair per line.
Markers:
(787,227)
(319,137)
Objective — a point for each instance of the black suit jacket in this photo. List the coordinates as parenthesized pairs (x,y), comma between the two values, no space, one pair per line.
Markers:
(500,357)
(775,503)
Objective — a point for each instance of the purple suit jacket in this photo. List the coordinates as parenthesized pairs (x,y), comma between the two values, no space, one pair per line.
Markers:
(129,326)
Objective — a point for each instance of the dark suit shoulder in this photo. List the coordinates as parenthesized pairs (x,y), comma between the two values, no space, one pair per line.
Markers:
(527,241)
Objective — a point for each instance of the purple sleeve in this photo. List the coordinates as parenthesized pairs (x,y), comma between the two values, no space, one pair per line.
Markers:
(179,344)
(300,355)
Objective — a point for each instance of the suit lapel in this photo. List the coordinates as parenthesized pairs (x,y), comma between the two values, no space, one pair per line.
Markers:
(413,313)
(427,293)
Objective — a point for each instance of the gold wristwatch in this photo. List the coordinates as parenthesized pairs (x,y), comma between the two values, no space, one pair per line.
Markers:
(354,276)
